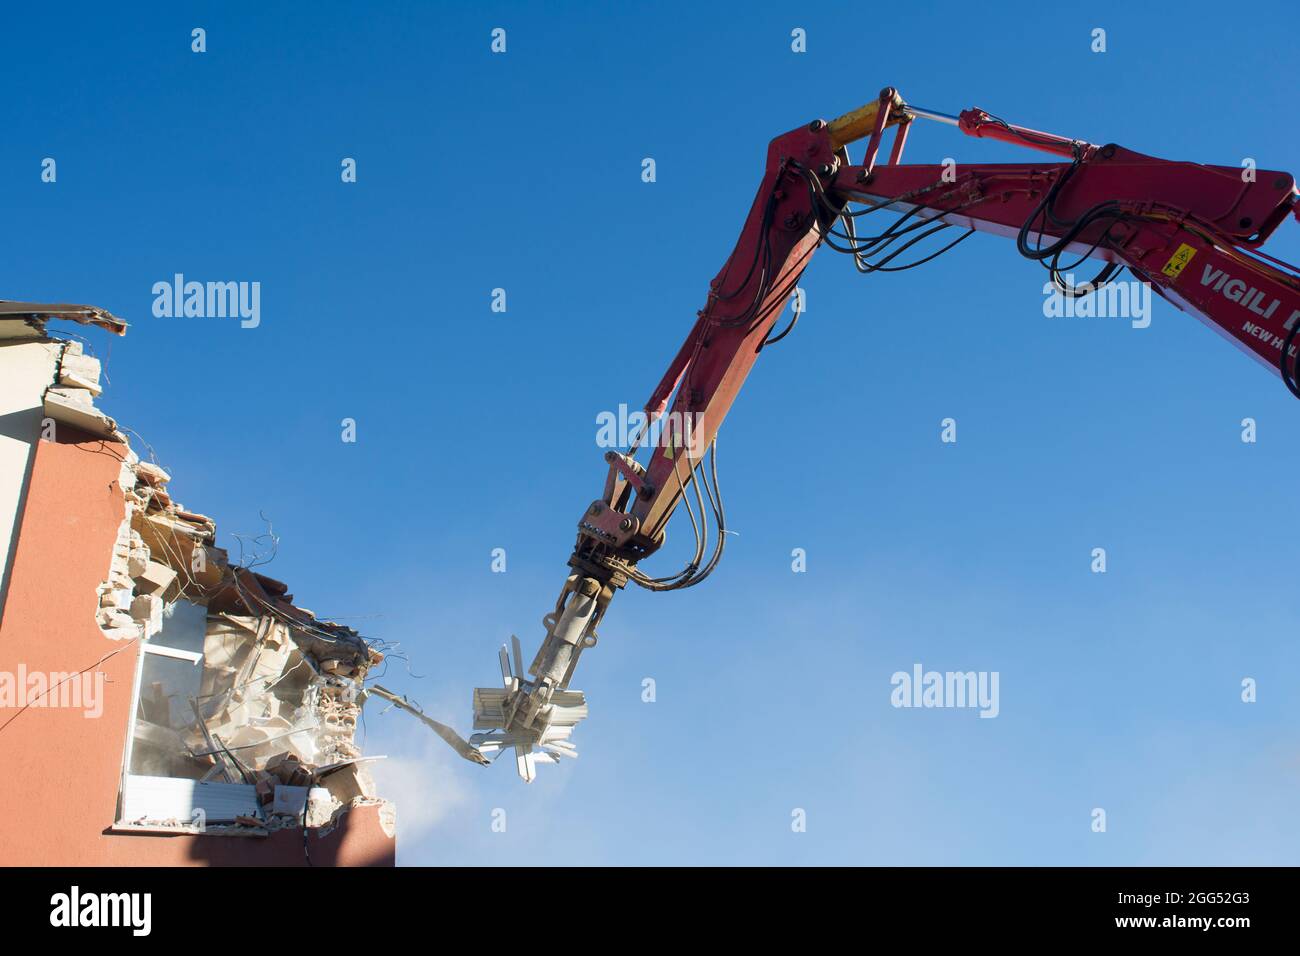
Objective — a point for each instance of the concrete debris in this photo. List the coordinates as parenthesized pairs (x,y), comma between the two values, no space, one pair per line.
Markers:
(264,712)
(79,371)
(72,406)
(289,800)
(147,610)
(151,474)
(543,743)
(151,577)
(545,739)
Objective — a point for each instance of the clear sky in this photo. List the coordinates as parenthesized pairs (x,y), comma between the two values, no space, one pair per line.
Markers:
(476,430)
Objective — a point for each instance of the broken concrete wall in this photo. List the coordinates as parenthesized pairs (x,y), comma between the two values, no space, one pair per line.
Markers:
(239,691)
(277,698)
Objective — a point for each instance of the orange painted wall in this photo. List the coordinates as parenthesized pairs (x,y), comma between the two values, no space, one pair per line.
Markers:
(59,770)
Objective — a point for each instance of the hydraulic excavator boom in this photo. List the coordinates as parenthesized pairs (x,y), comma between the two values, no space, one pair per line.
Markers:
(1191,231)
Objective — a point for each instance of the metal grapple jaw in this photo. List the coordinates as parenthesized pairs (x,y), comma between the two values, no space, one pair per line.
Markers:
(533,716)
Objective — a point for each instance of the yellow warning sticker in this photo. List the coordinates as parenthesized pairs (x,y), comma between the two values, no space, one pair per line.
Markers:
(1178,261)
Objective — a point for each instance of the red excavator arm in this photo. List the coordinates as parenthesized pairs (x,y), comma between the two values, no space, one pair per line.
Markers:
(1192,232)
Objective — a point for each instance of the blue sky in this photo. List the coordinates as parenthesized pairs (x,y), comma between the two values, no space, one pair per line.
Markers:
(476,430)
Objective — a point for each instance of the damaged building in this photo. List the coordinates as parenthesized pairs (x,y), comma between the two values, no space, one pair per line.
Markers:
(159,705)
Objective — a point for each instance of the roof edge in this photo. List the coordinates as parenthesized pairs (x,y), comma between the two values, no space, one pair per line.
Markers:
(85,314)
